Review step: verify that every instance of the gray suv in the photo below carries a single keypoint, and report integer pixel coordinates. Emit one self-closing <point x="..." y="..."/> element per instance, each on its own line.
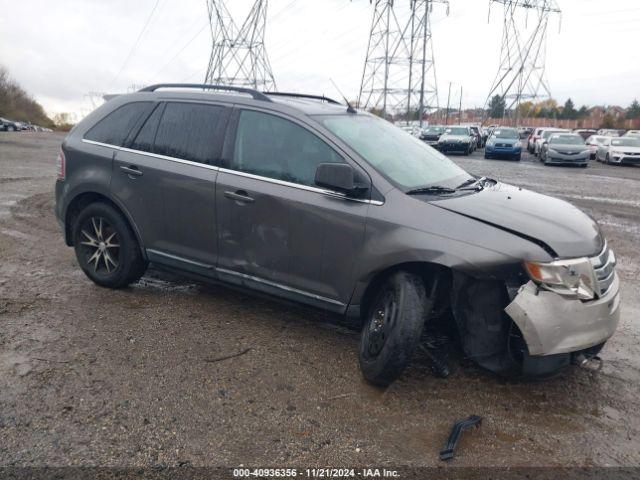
<point x="305" y="199"/>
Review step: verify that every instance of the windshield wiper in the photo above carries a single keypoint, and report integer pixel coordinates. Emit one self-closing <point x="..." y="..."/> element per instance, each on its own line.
<point x="437" y="189"/>
<point x="478" y="182"/>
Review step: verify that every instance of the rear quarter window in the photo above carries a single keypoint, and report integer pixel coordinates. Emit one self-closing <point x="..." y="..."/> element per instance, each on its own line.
<point x="116" y="126"/>
<point x="189" y="131"/>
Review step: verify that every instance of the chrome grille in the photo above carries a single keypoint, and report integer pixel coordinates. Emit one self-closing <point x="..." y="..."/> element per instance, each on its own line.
<point x="604" y="266"/>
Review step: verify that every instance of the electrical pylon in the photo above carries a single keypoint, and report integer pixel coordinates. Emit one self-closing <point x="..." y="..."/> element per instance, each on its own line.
<point x="522" y="72"/>
<point x="399" y="72"/>
<point x="238" y="54"/>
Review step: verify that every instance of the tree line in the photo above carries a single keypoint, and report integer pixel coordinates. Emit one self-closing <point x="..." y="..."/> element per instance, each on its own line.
<point x="16" y="104"/>
<point x="551" y="109"/>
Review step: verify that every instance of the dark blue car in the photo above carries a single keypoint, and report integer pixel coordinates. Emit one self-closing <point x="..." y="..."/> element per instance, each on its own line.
<point x="504" y="143"/>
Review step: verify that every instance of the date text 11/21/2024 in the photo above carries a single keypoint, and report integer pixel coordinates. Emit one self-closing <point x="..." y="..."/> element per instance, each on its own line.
<point x="315" y="473"/>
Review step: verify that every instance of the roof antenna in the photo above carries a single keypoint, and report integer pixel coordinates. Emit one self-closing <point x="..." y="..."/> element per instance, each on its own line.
<point x="350" y="109"/>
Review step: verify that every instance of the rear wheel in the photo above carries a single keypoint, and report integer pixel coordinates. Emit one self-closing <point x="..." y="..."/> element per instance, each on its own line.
<point x="106" y="248"/>
<point x="392" y="328"/>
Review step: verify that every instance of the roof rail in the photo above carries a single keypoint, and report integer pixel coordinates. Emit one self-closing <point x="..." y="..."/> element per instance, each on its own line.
<point x="303" y="95"/>
<point x="254" y="93"/>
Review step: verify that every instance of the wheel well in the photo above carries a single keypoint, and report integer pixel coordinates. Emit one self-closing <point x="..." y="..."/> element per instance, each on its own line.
<point x="434" y="276"/>
<point x="78" y="204"/>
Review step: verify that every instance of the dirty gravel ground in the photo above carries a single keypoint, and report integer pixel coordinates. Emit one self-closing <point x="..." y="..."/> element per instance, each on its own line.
<point x="90" y="376"/>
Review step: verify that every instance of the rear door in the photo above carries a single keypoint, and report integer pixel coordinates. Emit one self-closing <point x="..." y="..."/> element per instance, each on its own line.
<point x="169" y="172"/>
<point x="278" y="230"/>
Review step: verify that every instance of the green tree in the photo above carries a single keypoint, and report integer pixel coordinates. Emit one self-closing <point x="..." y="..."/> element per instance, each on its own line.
<point x="634" y="110"/>
<point x="569" y="111"/>
<point x="497" y="107"/>
<point x="608" y="121"/>
<point x="583" y="112"/>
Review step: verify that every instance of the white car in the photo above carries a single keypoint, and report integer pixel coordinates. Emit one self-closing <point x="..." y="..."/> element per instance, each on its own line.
<point x="544" y="136"/>
<point x="632" y="133"/>
<point x="607" y="132"/>
<point x="619" y="150"/>
<point x="593" y="142"/>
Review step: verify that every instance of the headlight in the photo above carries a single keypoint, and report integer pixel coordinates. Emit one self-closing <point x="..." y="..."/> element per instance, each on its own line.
<point x="573" y="278"/>
<point x="551" y="150"/>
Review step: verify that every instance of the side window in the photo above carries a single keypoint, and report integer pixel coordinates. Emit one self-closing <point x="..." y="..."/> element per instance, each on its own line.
<point x="115" y="127"/>
<point x="147" y="134"/>
<point x="189" y="131"/>
<point x="273" y="147"/>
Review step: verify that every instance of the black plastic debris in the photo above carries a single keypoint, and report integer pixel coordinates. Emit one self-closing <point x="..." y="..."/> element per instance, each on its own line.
<point x="447" y="452"/>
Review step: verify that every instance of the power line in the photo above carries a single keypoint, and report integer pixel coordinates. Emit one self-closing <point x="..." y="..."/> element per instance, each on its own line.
<point x="135" y="45"/>
<point x="184" y="47"/>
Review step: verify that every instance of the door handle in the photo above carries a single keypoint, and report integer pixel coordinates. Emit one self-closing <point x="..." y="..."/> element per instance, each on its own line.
<point x="239" y="196"/>
<point x="131" y="170"/>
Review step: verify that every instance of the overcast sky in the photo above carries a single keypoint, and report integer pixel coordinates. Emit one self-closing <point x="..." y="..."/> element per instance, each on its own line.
<point x="61" y="50"/>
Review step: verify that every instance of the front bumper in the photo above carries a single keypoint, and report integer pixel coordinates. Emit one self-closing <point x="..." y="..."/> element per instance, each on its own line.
<point x="454" y="147"/>
<point x="629" y="159"/>
<point x="507" y="151"/>
<point x="552" y="324"/>
<point x="564" y="159"/>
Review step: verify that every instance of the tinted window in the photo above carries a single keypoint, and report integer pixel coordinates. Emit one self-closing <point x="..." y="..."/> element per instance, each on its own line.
<point x="145" y="138"/>
<point x="273" y="147"/>
<point x="115" y="127"/>
<point x="189" y="131"/>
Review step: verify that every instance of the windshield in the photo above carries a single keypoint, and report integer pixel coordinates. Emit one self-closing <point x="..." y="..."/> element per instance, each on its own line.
<point x="547" y="133"/>
<point x="434" y="130"/>
<point x="506" y="133"/>
<point x="403" y="159"/>
<point x="566" y="140"/>
<point x="457" y="131"/>
<point x="625" y="142"/>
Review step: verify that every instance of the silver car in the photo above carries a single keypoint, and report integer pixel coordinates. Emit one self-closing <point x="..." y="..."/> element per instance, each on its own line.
<point x="619" y="150"/>
<point x="565" y="149"/>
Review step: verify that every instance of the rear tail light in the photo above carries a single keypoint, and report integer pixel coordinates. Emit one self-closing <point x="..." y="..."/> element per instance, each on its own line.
<point x="61" y="165"/>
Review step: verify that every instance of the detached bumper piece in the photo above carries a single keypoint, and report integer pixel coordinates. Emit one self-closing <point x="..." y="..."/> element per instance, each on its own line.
<point x="447" y="451"/>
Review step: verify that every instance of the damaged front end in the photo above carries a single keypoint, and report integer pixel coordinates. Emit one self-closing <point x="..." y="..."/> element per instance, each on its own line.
<point x="562" y="312"/>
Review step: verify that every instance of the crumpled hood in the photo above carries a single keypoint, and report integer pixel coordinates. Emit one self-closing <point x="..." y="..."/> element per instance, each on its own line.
<point x="565" y="229"/>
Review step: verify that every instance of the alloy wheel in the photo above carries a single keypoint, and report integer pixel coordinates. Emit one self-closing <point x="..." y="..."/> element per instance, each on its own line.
<point x="100" y="245"/>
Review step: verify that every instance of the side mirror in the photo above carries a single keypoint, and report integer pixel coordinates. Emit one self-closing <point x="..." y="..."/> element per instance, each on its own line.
<point x="336" y="176"/>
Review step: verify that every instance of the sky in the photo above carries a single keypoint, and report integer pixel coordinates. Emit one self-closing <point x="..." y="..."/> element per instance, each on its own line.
<point x="62" y="51"/>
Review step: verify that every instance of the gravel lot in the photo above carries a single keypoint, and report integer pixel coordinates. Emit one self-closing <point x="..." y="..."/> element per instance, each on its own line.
<point x="90" y="376"/>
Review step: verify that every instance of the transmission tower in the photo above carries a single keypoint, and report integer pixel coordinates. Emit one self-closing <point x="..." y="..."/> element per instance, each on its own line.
<point x="521" y="75"/>
<point x="238" y="54"/>
<point x="399" y="71"/>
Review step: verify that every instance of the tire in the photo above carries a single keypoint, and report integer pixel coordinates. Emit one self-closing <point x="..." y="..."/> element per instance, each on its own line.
<point x="606" y="159"/>
<point x="487" y="156"/>
<point x="518" y="157"/>
<point x="106" y="248"/>
<point x="386" y="347"/>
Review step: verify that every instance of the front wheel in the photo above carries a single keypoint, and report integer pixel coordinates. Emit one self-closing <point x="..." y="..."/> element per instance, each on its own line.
<point x="106" y="248"/>
<point x="517" y="157"/>
<point x="392" y="328"/>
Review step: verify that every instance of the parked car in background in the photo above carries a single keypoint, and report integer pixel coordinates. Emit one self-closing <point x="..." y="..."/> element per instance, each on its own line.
<point x="531" y="142"/>
<point x="619" y="151"/>
<point x="565" y="149"/>
<point x="485" y="134"/>
<point x="544" y="136"/>
<point x="9" y="125"/>
<point x="607" y="132"/>
<point x="504" y="142"/>
<point x="585" y="133"/>
<point x="478" y="134"/>
<point x="632" y="133"/>
<point x="387" y="231"/>
<point x="524" y="132"/>
<point x="431" y="134"/>
<point x="593" y="142"/>
<point x="457" y="139"/>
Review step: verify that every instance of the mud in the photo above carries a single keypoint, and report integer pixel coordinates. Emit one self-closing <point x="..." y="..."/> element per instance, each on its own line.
<point x="90" y="376"/>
